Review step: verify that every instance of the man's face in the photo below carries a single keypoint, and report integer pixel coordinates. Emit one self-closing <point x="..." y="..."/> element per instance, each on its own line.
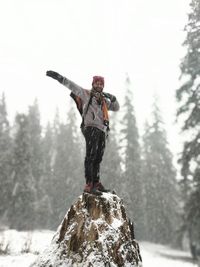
<point x="98" y="86"/>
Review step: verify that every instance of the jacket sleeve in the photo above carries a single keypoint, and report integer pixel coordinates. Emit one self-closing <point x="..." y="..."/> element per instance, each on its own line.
<point x="76" y="89"/>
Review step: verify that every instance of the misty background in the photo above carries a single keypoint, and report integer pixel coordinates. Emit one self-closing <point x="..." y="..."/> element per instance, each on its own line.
<point x="142" y="48"/>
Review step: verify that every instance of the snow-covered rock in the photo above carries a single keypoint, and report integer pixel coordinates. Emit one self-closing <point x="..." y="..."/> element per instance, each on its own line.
<point x="95" y="232"/>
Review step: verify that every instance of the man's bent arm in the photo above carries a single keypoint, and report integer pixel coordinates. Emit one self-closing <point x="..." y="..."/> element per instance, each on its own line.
<point x="112" y="102"/>
<point x="114" y="106"/>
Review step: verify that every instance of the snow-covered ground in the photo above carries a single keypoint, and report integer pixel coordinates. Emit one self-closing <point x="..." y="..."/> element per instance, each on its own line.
<point x="20" y="249"/>
<point x="154" y="255"/>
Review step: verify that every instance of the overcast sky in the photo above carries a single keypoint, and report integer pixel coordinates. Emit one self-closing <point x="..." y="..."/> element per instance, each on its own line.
<point x="82" y="38"/>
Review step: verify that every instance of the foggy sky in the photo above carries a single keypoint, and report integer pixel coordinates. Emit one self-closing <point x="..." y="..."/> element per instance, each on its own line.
<point x="80" y="39"/>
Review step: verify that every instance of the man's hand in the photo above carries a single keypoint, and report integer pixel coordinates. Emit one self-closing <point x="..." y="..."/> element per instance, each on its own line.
<point x="111" y="97"/>
<point x="55" y="75"/>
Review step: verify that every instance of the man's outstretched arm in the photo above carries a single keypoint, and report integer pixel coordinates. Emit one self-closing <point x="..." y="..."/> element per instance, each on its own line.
<point x="76" y="89"/>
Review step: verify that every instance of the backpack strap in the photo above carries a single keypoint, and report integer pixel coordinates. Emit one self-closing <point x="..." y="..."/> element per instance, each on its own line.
<point x="79" y="105"/>
<point x="105" y="114"/>
<point x="85" y="111"/>
<point x="78" y="102"/>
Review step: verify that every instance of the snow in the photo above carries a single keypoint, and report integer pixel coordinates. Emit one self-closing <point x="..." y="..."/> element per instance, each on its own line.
<point x="153" y="255"/>
<point x="109" y="196"/>
<point x="23" y="260"/>
<point x="159" y="255"/>
<point x="116" y="223"/>
<point x="18" y="242"/>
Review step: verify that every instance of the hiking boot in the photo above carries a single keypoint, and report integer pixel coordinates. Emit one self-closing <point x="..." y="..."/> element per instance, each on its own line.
<point x="89" y="188"/>
<point x="95" y="191"/>
<point x="100" y="187"/>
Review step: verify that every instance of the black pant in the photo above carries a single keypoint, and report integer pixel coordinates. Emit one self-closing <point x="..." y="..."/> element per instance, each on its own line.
<point x="95" y="146"/>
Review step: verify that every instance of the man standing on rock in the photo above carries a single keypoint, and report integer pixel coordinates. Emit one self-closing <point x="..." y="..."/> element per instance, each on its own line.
<point x="93" y="105"/>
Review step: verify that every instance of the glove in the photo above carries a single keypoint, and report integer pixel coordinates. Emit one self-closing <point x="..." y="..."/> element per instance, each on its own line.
<point x="111" y="97"/>
<point x="55" y="75"/>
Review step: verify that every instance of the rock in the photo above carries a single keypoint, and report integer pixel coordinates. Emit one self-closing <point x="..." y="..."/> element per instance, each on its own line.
<point x="94" y="233"/>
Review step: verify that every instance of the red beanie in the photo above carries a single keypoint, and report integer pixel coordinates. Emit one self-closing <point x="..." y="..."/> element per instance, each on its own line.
<point x="98" y="78"/>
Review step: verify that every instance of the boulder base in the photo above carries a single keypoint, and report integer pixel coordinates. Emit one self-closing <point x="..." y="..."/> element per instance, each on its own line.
<point x="94" y="233"/>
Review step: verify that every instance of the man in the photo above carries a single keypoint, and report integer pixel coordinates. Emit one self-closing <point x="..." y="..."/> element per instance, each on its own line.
<point x="93" y="105"/>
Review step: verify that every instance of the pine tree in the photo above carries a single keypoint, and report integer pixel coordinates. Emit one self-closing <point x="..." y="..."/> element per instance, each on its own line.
<point x="188" y="96"/>
<point x="37" y="164"/>
<point x="77" y="151"/>
<point x="22" y="203"/>
<point x="159" y="174"/>
<point x="35" y="130"/>
<point x="68" y="177"/>
<point x="132" y="179"/>
<point x="45" y="211"/>
<point x="5" y="159"/>
<point x="111" y="166"/>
